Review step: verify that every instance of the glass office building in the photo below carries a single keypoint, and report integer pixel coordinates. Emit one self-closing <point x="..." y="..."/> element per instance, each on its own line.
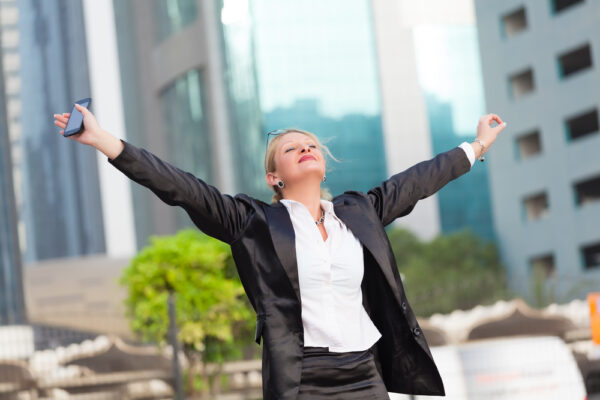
<point x="185" y="114"/>
<point x="450" y="74"/>
<point x="317" y="71"/>
<point x="171" y="16"/>
<point x="190" y="96"/>
<point x="244" y="112"/>
<point x="262" y="86"/>
<point x="62" y="211"/>
<point x="12" y="307"/>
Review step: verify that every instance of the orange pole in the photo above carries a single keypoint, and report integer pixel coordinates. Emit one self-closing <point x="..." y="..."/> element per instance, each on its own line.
<point x="594" y="302"/>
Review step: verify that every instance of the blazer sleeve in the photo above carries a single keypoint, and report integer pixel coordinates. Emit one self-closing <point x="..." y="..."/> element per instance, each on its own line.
<point x="218" y="215"/>
<point x="398" y="195"/>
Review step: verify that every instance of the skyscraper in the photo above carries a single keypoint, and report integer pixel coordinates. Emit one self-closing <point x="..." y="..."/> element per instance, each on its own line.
<point x="317" y="70"/>
<point x="190" y="96"/>
<point x="541" y="73"/>
<point x="449" y="70"/>
<point x="432" y="94"/>
<point x="12" y="305"/>
<point x="61" y="206"/>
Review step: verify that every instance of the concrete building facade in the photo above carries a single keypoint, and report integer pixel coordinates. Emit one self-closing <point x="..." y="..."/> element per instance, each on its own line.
<point x="541" y="73"/>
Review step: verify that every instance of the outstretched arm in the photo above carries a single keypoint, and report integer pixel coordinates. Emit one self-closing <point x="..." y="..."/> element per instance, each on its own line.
<point x="219" y="215"/>
<point x="398" y="195"/>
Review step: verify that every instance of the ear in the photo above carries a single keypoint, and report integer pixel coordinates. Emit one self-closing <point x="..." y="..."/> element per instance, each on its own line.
<point x="271" y="179"/>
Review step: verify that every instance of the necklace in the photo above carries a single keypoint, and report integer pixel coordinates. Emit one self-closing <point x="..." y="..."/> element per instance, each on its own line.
<point x="320" y="221"/>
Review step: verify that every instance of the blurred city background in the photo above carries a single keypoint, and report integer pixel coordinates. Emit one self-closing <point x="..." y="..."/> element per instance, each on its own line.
<point x="500" y="266"/>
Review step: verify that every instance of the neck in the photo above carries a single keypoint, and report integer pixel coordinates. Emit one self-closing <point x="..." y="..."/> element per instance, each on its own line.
<point x="309" y="195"/>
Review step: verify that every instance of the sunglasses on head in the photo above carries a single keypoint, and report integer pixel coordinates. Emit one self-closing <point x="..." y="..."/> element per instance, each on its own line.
<point x="274" y="133"/>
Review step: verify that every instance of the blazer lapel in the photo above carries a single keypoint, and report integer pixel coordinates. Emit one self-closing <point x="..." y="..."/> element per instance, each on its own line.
<point x="364" y="228"/>
<point x="284" y="241"/>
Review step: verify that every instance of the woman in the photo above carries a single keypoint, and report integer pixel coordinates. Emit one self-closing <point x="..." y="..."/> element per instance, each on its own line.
<point x="331" y="308"/>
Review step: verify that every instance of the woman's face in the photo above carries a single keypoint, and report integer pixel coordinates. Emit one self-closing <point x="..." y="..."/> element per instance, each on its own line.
<point x="297" y="157"/>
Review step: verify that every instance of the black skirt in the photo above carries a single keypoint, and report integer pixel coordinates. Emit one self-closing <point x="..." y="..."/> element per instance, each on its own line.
<point x="348" y="376"/>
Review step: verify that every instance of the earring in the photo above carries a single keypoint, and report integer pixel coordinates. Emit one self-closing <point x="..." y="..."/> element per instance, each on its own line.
<point x="324" y="178"/>
<point x="280" y="184"/>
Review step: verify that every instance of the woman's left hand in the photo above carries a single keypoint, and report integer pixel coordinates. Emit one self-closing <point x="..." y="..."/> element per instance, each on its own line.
<point x="486" y="133"/>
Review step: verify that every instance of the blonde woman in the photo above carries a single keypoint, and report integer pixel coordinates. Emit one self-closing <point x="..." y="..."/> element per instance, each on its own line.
<point x="320" y="273"/>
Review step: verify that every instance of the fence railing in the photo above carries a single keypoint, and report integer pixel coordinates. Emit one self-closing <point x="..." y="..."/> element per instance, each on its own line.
<point x="108" y="368"/>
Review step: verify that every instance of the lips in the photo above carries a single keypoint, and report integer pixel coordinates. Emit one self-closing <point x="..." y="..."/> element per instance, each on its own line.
<point x="307" y="157"/>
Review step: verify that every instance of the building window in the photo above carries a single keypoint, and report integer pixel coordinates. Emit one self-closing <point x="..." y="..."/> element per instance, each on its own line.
<point x="543" y="266"/>
<point x="171" y="16"/>
<point x="186" y="121"/>
<point x="591" y="255"/>
<point x="575" y="60"/>
<point x="587" y="191"/>
<point x="559" y="6"/>
<point x="514" y="22"/>
<point x="528" y="145"/>
<point x="582" y="124"/>
<point x="521" y="83"/>
<point x="536" y="206"/>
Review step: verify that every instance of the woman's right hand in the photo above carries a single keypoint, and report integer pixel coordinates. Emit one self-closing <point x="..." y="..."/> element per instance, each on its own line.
<point x="91" y="131"/>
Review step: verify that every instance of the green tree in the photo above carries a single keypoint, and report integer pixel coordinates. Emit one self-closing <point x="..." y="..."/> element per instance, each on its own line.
<point x="454" y="271"/>
<point x="213" y="315"/>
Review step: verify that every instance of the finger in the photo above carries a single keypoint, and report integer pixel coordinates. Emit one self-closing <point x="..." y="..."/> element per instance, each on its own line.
<point x="60" y="124"/>
<point x="61" y="119"/>
<point x="494" y="117"/>
<point x="497" y="119"/>
<point x="62" y="132"/>
<point x="81" y="108"/>
<point x="66" y="115"/>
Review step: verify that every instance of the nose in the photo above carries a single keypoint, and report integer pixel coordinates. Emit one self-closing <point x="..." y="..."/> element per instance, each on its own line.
<point x="305" y="147"/>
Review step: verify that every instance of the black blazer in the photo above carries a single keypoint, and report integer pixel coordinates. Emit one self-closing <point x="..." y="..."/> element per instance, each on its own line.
<point x="262" y="242"/>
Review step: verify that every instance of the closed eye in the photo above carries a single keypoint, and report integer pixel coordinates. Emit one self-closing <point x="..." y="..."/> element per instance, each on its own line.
<point x="292" y="148"/>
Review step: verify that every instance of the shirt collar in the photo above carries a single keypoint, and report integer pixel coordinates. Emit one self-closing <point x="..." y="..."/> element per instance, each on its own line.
<point x="292" y="206"/>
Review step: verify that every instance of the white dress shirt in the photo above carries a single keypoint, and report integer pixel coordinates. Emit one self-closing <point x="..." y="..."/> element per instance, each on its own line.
<point x="330" y="273"/>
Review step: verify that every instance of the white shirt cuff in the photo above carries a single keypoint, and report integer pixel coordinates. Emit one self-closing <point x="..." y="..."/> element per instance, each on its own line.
<point x="469" y="150"/>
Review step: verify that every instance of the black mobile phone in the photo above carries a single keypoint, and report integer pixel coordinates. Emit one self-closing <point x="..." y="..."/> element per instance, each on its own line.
<point x="75" y="122"/>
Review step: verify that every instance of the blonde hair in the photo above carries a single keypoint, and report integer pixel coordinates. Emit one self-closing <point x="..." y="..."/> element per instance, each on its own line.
<point x="270" y="161"/>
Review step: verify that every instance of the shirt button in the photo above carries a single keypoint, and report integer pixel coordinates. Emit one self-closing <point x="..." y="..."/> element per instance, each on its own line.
<point x="404" y="306"/>
<point x="417" y="331"/>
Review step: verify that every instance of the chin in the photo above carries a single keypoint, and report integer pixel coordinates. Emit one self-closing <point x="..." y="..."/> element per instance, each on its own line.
<point x="311" y="170"/>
